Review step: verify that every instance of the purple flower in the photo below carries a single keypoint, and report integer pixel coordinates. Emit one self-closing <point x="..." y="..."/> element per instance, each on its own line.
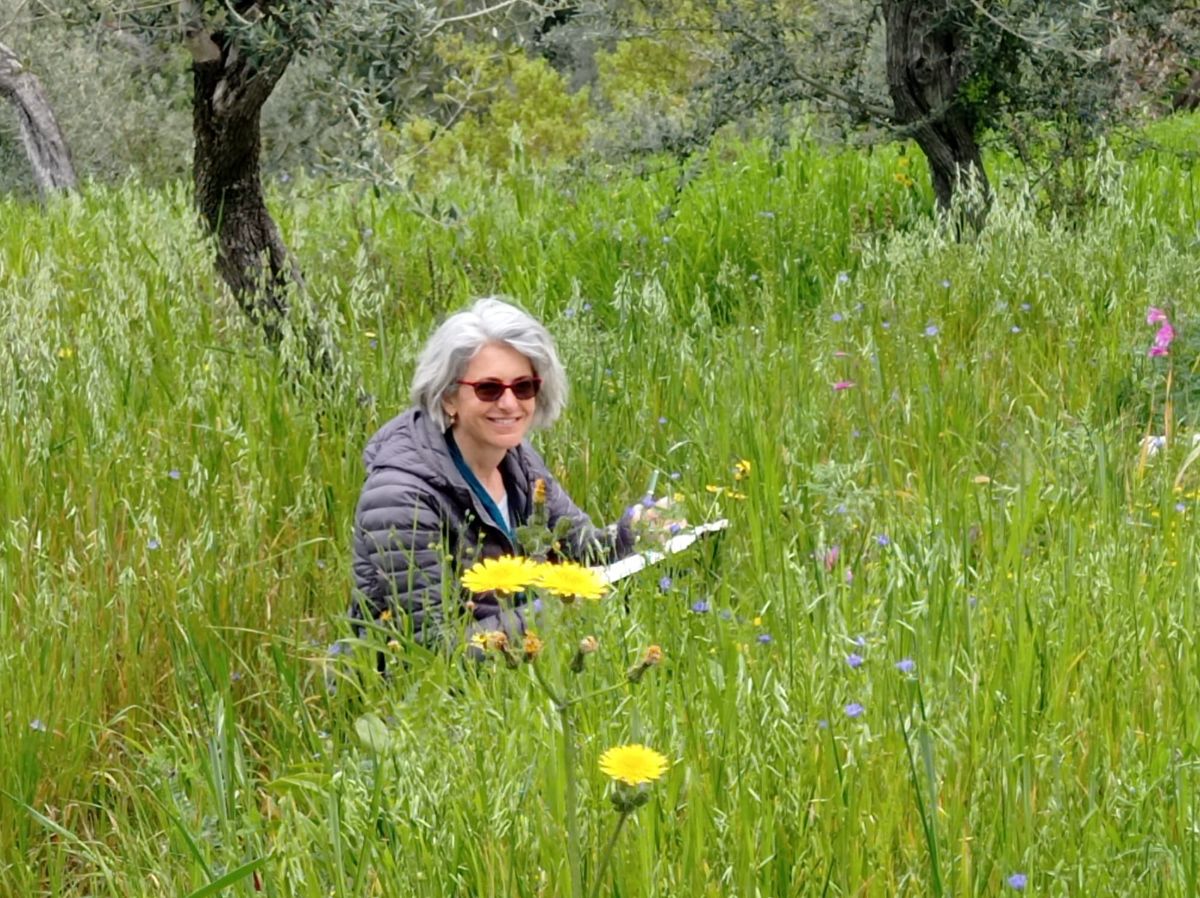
<point x="854" y="709"/>
<point x="152" y="544"/>
<point x="1155" y="315"/>
<point x="822" y="724"/>
<point x="843" y="277"/>
<point x="855" y="660"/>
<point x="662" y="420"/>
<point x="906" y="665"/>
<point x="764" y="638"/>
<point x="569" y="313"/>
<point x="700" y="607"/>
<point x="843" y="385"/>
<point x="664" y="583"/>
<point x="931" y="330"/>
<point x="1018" y="881"/>
<point x="835" y="317"/>
<point x="883" y="539"/>
<point x="648" y="500"/>
<point x="174" y="474"/>
<point x="674" y="528"/>
<point x="849" y="575"/>
<point x="374" y="344"/>
<point x="860" y="641"/>
<point x="1180" y="507"/>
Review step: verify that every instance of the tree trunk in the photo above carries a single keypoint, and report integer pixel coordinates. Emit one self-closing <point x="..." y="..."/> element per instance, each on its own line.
<point x="925" y="70"/>
<point x="251" y="256"/>
<point x="44" y="143"/>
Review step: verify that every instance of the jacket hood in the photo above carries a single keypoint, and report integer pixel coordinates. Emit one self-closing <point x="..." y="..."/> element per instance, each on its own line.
<point x="410" y="442"/>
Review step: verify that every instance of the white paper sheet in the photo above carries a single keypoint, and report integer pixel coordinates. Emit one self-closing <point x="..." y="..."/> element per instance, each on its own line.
<point x="631" y="564"/>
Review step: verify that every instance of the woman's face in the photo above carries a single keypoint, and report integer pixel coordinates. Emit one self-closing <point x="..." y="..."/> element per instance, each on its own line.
<point x="481" y="427"/>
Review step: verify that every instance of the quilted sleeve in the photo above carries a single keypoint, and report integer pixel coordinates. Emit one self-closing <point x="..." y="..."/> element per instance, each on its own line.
<point x="400" y="554"/>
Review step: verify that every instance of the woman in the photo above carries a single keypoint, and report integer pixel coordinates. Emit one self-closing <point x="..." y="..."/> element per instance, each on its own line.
<point x="450" y="480"/>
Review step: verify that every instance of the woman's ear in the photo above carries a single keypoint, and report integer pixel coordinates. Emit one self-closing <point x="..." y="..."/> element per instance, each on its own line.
<point x="450" y="406"/>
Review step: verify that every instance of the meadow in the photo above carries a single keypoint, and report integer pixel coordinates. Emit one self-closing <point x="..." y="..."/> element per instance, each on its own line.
<point x="948" y="646"/>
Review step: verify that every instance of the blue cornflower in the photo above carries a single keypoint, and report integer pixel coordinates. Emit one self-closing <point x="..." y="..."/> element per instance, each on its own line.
<point x="1025" y="307"/>
<point x="675" y="528"/>
<point x="675" y="475"/>
<point x="664" y="583"/>
<point x="854" y="709"/>
<point x="883" y="539"/>
<point x="374" y="344"/>
<point x="835" y="317"/>
<point x="843" y="277"/>
<point x="569" y="313"/>
<point x="152" y="544"/>
<point x="587" y="306"/>
<point x="1018" y="881"/>
<point x="906" y="665"/>
<point x="648" y="500"/>
<point x="174" y="474"/>
<point x="855" y="660"/>
<point x="931" y="330"/>
<point x="700" y="607"/>
<point x="764" y="638"/>
<point x="1181" y="507"/>
<point x="662" y="420"/>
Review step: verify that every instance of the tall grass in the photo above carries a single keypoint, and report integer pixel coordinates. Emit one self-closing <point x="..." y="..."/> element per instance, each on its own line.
<point x="175" y="554"/>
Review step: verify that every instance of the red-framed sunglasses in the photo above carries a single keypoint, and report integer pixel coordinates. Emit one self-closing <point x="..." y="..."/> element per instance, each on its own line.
<point x="491" y="390"/>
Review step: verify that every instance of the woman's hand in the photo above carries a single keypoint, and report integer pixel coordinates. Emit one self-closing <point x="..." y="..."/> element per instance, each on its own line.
<point x="656" y="522"/>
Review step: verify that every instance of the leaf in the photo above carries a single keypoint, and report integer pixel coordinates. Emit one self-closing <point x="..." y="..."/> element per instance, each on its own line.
<point x="219" y="885"/>
<point x="373" y="733"/>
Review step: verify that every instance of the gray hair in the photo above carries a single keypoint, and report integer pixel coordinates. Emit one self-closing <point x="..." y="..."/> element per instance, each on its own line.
<point x="450" y="349"/>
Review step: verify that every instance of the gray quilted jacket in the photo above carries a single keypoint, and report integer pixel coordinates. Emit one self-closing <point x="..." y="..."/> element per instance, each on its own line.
<point x="418" y="525"/>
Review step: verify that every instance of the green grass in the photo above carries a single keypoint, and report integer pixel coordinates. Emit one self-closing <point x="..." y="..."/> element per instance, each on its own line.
<point x="165" y="727"/>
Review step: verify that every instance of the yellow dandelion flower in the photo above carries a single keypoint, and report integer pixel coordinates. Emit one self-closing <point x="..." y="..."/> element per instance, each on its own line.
<point x="490" y="640"/>
<point x="734" y="494"/>
<point x="531" y="646"/>
<point x="741" y="470"/>
<point x="66" y="352"/>
<point x="633" y="764"/>
<point x="569" y="580"/>
<point x="713" y="488"/>
<point x="507" y="574"/>
<point x="386" y="616"/>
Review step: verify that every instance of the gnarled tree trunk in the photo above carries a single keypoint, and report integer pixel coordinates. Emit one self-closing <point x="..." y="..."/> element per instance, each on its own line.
<point x="43" y="140"/>
<point x="926" y="67"/>
<point x="229" y="94"/>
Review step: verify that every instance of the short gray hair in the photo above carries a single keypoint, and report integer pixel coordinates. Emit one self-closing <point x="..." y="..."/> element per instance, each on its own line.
<point x="449" y="351"/>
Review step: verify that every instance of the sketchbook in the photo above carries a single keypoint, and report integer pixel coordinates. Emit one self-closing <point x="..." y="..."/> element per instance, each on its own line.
<point x="631" y="564"/>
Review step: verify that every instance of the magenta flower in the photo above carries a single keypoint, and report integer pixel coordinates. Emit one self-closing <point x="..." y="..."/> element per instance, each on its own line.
<point x="1166" y="333"/>
<point x="843" y="385"/>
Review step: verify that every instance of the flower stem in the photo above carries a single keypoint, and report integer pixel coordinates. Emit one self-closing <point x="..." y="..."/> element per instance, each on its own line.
<point x="572" y="801"/>
<point x="607" y="855"/>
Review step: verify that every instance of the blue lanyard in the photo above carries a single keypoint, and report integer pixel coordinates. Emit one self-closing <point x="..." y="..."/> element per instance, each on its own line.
<point x="485" y="498"/>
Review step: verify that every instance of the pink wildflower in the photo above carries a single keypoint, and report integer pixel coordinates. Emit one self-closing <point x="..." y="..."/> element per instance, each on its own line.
<point x="831" y="557"/>
<point x="1155" y="315"/>
<point x="842" y="385"/>
<point x="1162" y="340"/>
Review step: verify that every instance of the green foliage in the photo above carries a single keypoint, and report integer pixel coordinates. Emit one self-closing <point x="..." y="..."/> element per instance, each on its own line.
<point x="508" y="107"/>
<point x="175" y="556"/>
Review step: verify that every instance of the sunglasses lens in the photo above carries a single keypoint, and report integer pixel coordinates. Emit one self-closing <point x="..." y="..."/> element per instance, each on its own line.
<point x="526" y="387"/>
<point x="489" y="390"/>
